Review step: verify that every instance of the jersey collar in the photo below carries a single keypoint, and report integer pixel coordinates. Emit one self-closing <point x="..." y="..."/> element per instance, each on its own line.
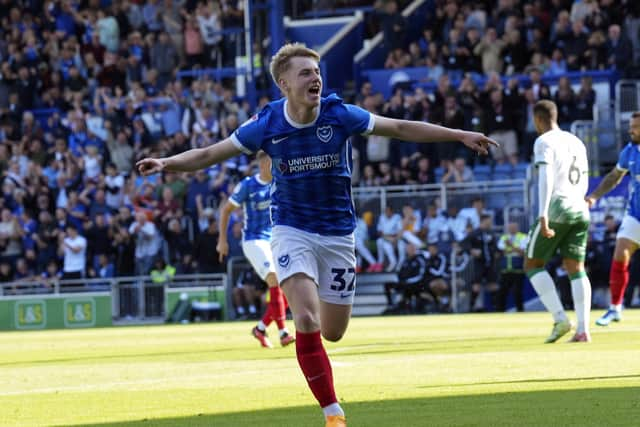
<point x="296" y="124"/>
<point x="261" y="182"/>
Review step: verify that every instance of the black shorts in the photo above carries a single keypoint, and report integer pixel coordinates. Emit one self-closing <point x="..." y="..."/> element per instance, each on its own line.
<point x="483" y="273"/>
<point x="249" y="277"/>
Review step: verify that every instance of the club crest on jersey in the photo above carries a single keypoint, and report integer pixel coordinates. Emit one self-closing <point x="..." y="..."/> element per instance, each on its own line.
<point x="324" y="133"/>
<point x="284" y="261"/>
<point x="280" y="165"/>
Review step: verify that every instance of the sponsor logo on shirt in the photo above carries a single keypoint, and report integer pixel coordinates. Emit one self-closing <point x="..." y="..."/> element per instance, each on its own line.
<point x="309" y="163"/>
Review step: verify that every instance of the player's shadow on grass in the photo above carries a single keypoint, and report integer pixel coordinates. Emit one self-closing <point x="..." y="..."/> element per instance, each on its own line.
<point x="613" y="406"/>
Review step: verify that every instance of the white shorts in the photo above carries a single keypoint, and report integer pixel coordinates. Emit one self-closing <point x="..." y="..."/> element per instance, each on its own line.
<point x="329" y="260"/>
<point x="258" y="252"/>
<point x="629" y="229"/>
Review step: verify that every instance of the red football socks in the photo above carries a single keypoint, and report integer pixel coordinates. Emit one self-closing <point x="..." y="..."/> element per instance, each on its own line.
<point x="268" y="317"/>
<point x="315" y="365"/>
<point x="618" y="281"/>
<point x="276" y="301"/>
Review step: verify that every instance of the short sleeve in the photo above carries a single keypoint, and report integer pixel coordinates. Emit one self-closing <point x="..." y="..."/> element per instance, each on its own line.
<point x="248" y="137"/>
<point x="623" y="160"/>
<point x="356" y="119"/>
<point x="240" y="193"/>
<point x="542" y="153"/>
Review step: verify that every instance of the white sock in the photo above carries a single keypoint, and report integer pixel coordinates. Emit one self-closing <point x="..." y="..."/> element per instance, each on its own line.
<point x="252" y="309"/>
<point x="283" y="332"/>
<point x="333" y="409"/>
<point x="581" y="292"/>
<point x="546" y="290"/>
<point x="616" y="307"/>
<point x="241" y="310"/>
<point x="262" y="326"/>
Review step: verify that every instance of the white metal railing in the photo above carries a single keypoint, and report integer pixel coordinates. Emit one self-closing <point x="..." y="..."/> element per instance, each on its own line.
<point x="376" y="199"/>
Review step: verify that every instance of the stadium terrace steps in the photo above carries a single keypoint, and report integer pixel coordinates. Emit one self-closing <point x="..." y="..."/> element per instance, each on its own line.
<point x="370" y="299"/>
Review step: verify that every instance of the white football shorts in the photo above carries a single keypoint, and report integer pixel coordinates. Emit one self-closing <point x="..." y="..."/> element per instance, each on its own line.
<point x="629" y="229"/>
<point x="329" y="260"/>
<point x="258" y="252"/>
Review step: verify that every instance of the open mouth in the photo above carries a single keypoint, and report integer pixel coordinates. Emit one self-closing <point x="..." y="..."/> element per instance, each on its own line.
<point x="314" y="90"/>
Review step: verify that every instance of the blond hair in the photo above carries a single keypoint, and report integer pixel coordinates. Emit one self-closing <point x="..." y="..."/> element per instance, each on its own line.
<point x="280" y="61"/>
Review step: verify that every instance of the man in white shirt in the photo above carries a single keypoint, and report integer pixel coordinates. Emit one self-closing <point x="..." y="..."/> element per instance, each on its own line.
<point x="472" y="214"/>
<point x="147" y="243"/>
<point x="434" y="226"/>
<point x="74" y="247"/>
<point x="389" y="228"/>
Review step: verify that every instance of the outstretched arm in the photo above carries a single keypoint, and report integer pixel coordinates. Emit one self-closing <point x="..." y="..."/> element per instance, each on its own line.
<point x="190" y="160"/>
<point x="608" y="183"/>
<point x="415" y="131"/>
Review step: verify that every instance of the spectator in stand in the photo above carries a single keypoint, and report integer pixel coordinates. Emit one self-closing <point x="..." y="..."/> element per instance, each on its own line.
<point x="74" y="249"/>
<point x="423" y="174"/>
<point x="512" y="244"/>
<point x="501" y="122"/>
<point x="472" y="215"/>
<point x="104" y="269"/>
<point x="205" y="253"/>
<point x="490" y="50"/>
<point x="565" y="100"/>
<point x="411" y="280"/>
<point x="596" y="52"/>
<point x="10" y="237"/>
<point x="99" y="243"/>
<point x="436" y="277"/>
<point x="114" y="186"/>
<point x="147" y="243"/>
<point x="434" y="225"/>
<point x="362" y="240"/>
<point x="411" y="226"/>
<point x="389" y="228"/>
<point x="458" y="172"/>
<point x="247" y="293"/>
<point x="393" y="25"/>
<point x="452" y="117"/>
<point x="557" y="64"/>
<point x="576" y="45"/>
<point x="585" y="100"/>
<point x="619" y="50"/>
<point x="482" y="246"/>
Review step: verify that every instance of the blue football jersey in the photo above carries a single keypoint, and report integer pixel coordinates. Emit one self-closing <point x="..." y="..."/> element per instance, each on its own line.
<point x="630" y="161"/>
<point x="311" y="163"/>
<point x="254" y="196"/>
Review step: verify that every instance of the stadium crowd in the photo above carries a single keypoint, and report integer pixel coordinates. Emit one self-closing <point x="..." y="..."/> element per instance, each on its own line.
<point x="87" y="88"/>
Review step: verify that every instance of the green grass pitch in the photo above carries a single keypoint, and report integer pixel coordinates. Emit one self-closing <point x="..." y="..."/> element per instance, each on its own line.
<point x="464" y="370"/>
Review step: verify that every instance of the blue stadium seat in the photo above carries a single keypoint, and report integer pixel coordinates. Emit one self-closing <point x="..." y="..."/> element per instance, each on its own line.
<point x="503" y="171"/>
<point x="496" y="201"/>
<point x="516" y="199"/>
<point x="481" y="172"/>
<point x="520" y="171"/>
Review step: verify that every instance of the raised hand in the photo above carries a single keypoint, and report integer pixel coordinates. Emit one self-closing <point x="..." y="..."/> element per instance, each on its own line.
<point x="149" y="166"/>
<point x="478" y="142"/>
